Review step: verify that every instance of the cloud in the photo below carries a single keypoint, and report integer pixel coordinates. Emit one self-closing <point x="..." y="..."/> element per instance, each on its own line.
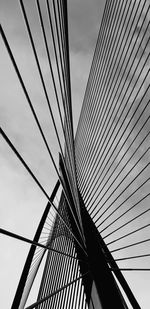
<point x="84" y="22"/>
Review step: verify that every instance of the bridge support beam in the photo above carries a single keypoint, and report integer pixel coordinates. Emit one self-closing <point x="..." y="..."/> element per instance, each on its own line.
<point x="101" y="282"/>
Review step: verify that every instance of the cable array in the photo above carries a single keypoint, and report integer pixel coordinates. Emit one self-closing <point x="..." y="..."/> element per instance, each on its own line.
<point x="105" y="168"/>
<point x="52" y="281"/>
<point x="112" y="142"/>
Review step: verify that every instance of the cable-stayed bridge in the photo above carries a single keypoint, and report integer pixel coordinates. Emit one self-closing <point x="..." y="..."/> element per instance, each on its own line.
<point x="93" y="237"/>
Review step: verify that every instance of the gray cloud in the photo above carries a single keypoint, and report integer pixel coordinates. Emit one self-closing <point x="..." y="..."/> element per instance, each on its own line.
<point x="84" y="22"/>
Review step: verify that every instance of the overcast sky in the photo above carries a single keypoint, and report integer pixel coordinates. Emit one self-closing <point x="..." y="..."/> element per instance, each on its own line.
<point x="21" y="202"/>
